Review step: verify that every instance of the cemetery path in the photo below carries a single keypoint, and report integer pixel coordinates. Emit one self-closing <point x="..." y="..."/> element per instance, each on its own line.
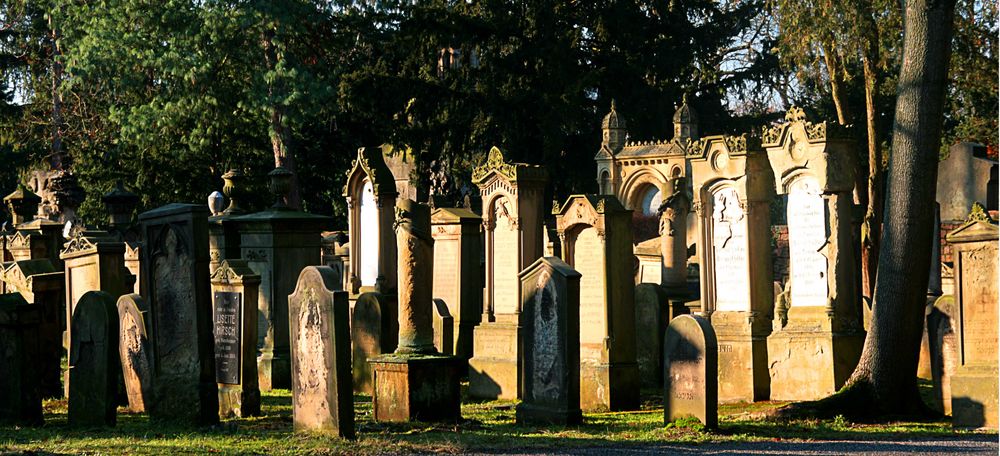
<point x="974" y="444"/>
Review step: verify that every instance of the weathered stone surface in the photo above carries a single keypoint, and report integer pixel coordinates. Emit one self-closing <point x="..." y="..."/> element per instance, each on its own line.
<point x="444" y="328"/>
<point x="371" y="199"/>
<point x="651" y="317"/>
<point x="176" y="282"/>
<point x="673" y="213"/>
<point x="19" y="385"/>
<point x="690" y="385"/>
<point x="964" y="178"/>
<point x="322" y="395"/>
<point x="942" y="350"/>
<point x="457" y="281"/>
<point x="94" y="365"/>
<point x="550" y="293"/>
<point x="374" y="331"/>
<point x="135" y="351"/>
<point x="41" y="284"/>
<point x="234" y="307"/>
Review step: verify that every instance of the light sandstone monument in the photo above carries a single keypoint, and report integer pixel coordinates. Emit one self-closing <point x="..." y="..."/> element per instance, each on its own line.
<point x="371" y="201"/>
<point x="457" y="253"/>
<point x="691" y="366"/>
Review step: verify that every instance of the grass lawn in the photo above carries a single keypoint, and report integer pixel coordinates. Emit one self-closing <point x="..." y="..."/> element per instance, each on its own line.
<point x="486" y="426"/>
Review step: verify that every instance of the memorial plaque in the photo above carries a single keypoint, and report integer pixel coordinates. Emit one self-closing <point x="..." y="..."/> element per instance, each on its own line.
<point x="505" y="251"/>
<point x="369" y="234"/>
<point x="587" y="260"/>
<point x="228" y="334"/>
<point x="807" y="222"/>
<point x="729" y="244"/>
<point x="690" y="388"/>
<point x="979" y="306"/>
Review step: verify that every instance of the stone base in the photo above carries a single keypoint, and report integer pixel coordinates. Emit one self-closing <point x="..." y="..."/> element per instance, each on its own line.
<point x="274" y="371"/>
<point x="236" y="401"/>
<point x="974" y="401"/>
<point x="529" y="414"/>
<point x="417" y="388"/>
<point x="806" y="366"/>
<point x="743" y="357"/>
<point x="495" y="370"/>
<point x="609" y="387"/>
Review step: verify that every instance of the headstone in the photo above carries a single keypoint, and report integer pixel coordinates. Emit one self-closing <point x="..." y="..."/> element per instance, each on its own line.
<point x="94" y="365"/>
<point x="322" y="396"/>
<point x="596" y="238"/>
<point x="651" y="317"/>
<point x="690" y="358"/>
<point x="733" y="187"/>
<point x="963" y="178"/>
<point x="550" y="293"/>
<point x="974" y="386"/>
<point x="41" y="284"/>
<point x="512" y="226"/>
<point x="817" y="336"/>
<point x="176" y="283"/>
<point x="234" y="310"/>
<point x="444" y="328"/>
<point x="457" y="281"/>
<point x="371" y="199"/>
<point x="374" y="330"/>
<point x="337" y="255"/>
<point x="135" y="351"/>
<point x="19" y="384"/>
<point x="943" y="351"/>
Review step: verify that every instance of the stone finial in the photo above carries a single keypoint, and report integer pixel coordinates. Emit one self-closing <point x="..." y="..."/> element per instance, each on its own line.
<point x="685" y="121"/>
<point x="281" y="184"/>
<point x="216" y="202"/>
<point x="120" y="203"/>
<point x="614" y="129"/>
<point x="233" y="189"/>
<point x="22" y="204"/>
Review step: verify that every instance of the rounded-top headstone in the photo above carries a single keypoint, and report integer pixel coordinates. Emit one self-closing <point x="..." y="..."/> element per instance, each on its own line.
<point x="690" y="379"/>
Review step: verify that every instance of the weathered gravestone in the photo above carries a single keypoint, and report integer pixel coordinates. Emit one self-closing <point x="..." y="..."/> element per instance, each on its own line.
<point x="322" y="396"/>
<point x="176" y="282"/>
<point x="41" y="284"/>
<point x="967" y="175"/>
<point x="457" y="255"/>
<point x="691" y="365"/>
<point x="550" y="318"/>
<point x="942" y="351"/>
<point x="651" y="317"/>
<point x="94" y="364"/>
<point x="444" y="328"/>
<point x="234" y="309"/>
<point x="374" y="331"/>
<point x="135" y="351"/>
<point x="19" y="382"/>
<point x="974" y="387"/>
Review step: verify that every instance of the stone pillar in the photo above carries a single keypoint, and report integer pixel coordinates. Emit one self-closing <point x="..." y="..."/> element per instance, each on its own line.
<point x="416" y="383"/>
<point x="41" y="284"/>
<point x="94" y="368"/>
<point x="19" y="386"/>
<point x="234" y="309"/>
<point x="673" y="238"/>
<point x="457" y="252"/>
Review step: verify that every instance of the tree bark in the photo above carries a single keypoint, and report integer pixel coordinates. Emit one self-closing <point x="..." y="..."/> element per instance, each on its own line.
<point x="280" y="136"/>
<point x="834" y="68"/>
<point x="873" y="186"/>
<point x="56" y="154"/>
<point x="888" y="365"/>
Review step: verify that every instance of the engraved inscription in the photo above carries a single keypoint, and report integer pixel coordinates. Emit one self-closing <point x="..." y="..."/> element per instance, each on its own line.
<point x="228" y="317"/>
<point x="806" y="243"/>
<point x="729" y="247"/>
<point x="589" y="262"/>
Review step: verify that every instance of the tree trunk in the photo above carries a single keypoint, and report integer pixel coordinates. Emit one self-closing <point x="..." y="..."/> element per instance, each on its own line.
<point x="873" y="186"/>
<point x="56" y="155"/>
<point x="280" y="136"/>
<point x="835" y="70"/>
<point x="888" y="366"/>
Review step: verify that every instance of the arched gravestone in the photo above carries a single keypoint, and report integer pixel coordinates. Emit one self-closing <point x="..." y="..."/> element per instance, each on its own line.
<point x="690" y="380"/>
<point x="596" y="239"/>
<point x="322" y="397"/>
<point x="135" y="351"/>
<point x="733" y="187"/>
<point x="371" y="200"/>
<point x="374" y="331"/>
<point x="93" y="361"/>
<point x="818" y="331"/>
<point x="550" y="316"/>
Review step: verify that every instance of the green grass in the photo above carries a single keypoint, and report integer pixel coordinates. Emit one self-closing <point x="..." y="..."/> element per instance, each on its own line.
<point x="486" y="425"/>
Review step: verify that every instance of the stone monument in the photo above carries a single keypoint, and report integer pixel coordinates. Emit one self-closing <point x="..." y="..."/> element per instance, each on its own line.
<point x="652" y="314"/>
<point x="444" y="328"/>
<point x="41" y="284"/>
<point x="963" y="178"/>
<point x="34" y="238"/>
<point x="371" y="199"/>
<point x="690" y="381"/>
<point x="93" y="362"/>
<point x="234" y="311"/>
<point x="374" y="331"/>
<point x="223" y="235"/>
<point x="457" y="251"/>
<point x="135" y="351"/>
<point x="19" y="385"/>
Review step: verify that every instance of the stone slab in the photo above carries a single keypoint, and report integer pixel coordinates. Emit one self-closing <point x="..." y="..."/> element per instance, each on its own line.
<point x="690" y="385"/>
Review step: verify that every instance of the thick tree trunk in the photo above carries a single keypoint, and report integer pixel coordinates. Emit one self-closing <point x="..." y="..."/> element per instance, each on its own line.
<point x="280" y="136"/>
<point x="888" y="366"/>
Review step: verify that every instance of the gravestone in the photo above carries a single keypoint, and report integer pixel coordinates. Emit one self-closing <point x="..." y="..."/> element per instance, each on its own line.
<point x="444" y="328"/>
<point x="322" y="395"/>
<point x="942" y="351"/>
<point x="691" y="365"/>
<point x="457" y="255"/>
<point x="374" y="330"/>
<point x="596" y="237"/>
<point x="512" y="224"/>
<point x="94" y="364"/>
<point x="41" y="284"/>
<point x="964" y="178"/>
<point x="974" y="386"/>
<point x="371" y="199"/>
<point x="651" y="317"/>
<point x="733" y="187"/>
<point x="33" y="238"/>
<point x="19" y="385"/>
<point x="818" y="334"/>
<point x="176" y="282"/>
<point x="135" y="351"/>
<point x="234" y="299"/>
<point x="550" y="307"/>
<point x="337" y="255"/>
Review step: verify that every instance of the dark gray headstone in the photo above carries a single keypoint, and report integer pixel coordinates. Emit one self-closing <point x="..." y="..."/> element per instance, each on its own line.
<point x="651" y="316"/>
<point x="20" y="390"/>
<point x="93" y="361"/>
<point x="374" y="331"/>
<point x="691" y="379"/>
<point x="135" y="351"/>
<point x="444" y="328"/>
<point x="228" y="334"/>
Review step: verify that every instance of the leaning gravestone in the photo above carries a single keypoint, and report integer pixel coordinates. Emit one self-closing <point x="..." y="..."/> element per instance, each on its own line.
<point x="234" y="308"/>
<point x="373" y="332"/>
<point x="93" y="361"/>
<point x="19" y="383"/>
<point x="690" y="357"/>
<point x="550" y="316"/>
<point x="444" y="328"/>
<point x="322" y="397"/>
<point x="135" y="351"/>
<point x="176" y="282"/>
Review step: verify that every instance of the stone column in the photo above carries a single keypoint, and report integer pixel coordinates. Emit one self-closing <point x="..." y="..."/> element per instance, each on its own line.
<point x="415" y="266"/>
<point x="673" y="237"/>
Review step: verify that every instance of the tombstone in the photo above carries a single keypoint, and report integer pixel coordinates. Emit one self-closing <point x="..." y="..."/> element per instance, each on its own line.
<point x="550" y="377"/>
<point x="817" y="338"/>
<point x="322" y="395"/>
<point x="942" y="351"/>
<point x="457" y="251"/>
<point x="135" y="351"/>
<point x="596" y="240"/>
<point x="374" y="330"/>
<point x="337" y="255"/>
<point x="33" y="238"/>
<point x="19" y="385"/>
<point x="512" y="224"/>
<point x="94" y="364"/>
<point x="651" y="316"/>
<point x="974" y="386"/>
<point x="402" y="166"/>
<point x="234" y="311"/>
<point x="41" y="284"/>
<point x="416" y="382"/>
<point x="733" y="187"/>
<point x="691" y="371"/>
<point x="371" y="200"/>
<point x="444" y="328"/>
<point x="175" y="281"/>
<point x="964" y="178"/>
<point x="650" y="259"/>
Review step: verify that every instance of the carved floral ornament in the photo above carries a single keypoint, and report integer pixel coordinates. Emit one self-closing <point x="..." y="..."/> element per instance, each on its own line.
<point x="815" y="132"/>
<point x="79" y="243"/>
<point x="495" y="163"/>
<point x="735" y="145"/>
<point x="371" y="163"/>
<point x="979" y="214"/>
